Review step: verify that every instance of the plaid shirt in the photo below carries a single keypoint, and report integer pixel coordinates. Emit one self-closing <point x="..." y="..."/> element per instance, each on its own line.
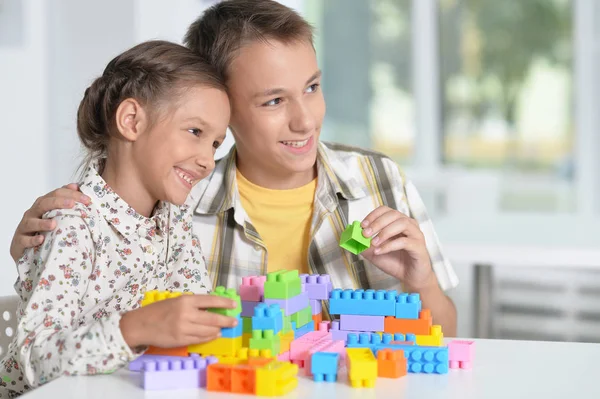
<point x="351" y="183"/>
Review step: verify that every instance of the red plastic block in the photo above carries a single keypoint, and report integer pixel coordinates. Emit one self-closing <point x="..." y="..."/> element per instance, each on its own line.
<point x="461" y="354"/>
<point x="418" y="326"/>
<point x="391" y="364"/>
<point x="252" y="288"/>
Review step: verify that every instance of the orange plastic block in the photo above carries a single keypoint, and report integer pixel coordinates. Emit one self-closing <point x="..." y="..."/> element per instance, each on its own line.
<point x="317" y="318"/>
<point x="420" y="326"/>
<point x="391" y="363"/>
<point x="218" y="377"/>
<point x="179" y="352"/>
<point x="435" y="337"/>
<point x="243" y="379"/>
<point x="276" y="379"/>
<point x="362" y="367"/>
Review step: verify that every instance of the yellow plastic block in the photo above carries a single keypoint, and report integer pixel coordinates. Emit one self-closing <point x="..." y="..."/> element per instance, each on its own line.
<point x="243" y="354"/>
<point x="435" y="337"/>
<point x="286" y="341"/>
<point x="220" y="346"/>
<point x="155" y="296"/>
<point x="362" y="367"/>
<point x="246" y="340"/>
<point x="276" y="378"/>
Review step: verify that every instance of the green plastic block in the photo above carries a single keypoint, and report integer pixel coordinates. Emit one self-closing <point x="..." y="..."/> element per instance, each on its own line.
<point x="287" y="324"/>
<point x="246" y="325"/>
<point x="353" y="240"/>
<point x="302" y="317"/>
<point x="283" y="284"/>
<point x="265" y="339"/>
<point x="231" y="294"/>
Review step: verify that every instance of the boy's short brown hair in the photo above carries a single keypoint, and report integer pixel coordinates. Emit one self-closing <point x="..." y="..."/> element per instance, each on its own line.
<point x="226" y="26"/>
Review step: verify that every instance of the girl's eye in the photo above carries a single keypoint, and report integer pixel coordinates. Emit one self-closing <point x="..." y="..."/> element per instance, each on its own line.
<point x="216" y="144"/>
<point x="275" y="101"/>
<point x="312" y="88"/>
<point x="195" y="132"/>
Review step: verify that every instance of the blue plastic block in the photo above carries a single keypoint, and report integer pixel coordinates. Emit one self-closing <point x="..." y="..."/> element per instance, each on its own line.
<point x="373" y="341"/>
<point x="361" y="302"/>
<point x="305" y="329"/>
<point x="267" y="317"/>
<point x="408" y="306"/>
<point x="422" y="359"/>
<point x="233" y="332"/>
<point x="324" y="366"/>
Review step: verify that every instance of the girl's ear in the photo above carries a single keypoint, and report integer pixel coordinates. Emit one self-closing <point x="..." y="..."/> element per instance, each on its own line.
<point x="131" y="119"/>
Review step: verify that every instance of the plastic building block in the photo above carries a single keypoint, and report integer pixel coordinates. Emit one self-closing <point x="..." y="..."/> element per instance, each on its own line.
<point x="391" y="363"/>
<point x="316" y="306"/>
<point x="247" y="324"/>
<point x="317" y="286"/>
<point x="282" y="284"/>
<point x="245" y="355"/>
<point x="182" y="351"/>
<point x="419" y="326"/>
<point x="287" y="324"/>
<point x="375" y="341"/>
<point x="435" y="337"/>
<point x="276" y="379"/>
<point x="248" y="308"/>
<point x="353" y="240"/>
<point x="267" y="317"/>
<point x="174" y="373"/>
<point x="305" y="329"/>
<point x="317" y="318"/>
<point x="233" y="332"/>
<point x="156" y="296"/>
<point x="461" y="354"/>
<point x="361" y="323"/>
<point x="218" y="377"/>
<point x="325" y="346"/>
<point x="421" y="359"/>
<point x="243" y="379"/>
<point x="408" y="306"/>
<point x="284" y="357"/>
<point x="252" y="288"/>
<point x="361" y="302"/>
<point x="337" y="334"/>
<point x="231" y="294"/>
<point x="302" y="317"/>
<point x="324" y="366"/>
<point x="138" y="364"/>
<point x="299" y="347"/>
<point x="219" y="346"/>
<point x="291" y="305"/>
<point x="286" y="341"/>
<point x="362" y="367"/>
<point x="265" y="339"/>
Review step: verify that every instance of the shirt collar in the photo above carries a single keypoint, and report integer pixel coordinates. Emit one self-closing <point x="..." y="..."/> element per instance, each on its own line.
<point x="117" y="212"/>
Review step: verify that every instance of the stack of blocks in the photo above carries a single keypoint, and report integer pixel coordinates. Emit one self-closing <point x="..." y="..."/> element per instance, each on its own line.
<point x="318" y="288"/>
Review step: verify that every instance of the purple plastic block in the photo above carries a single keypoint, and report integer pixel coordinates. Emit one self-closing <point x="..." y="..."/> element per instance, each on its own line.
<point x="188" y="373"/>
<point x="248" y="308"/>
<point x="361" y="323"/>
<point x="340" y="335"/>
<point x="317" y="286"/>
<point x="138" y="364"/>
<point x="291" y="305"/>
<point x="315" y="305"/>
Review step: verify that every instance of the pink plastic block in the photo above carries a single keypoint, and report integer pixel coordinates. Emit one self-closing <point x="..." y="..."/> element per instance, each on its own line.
<point x="317" y="286"/>
<point x="315" y="305"/>
<point x="291" y="305"/>
<point x="175" y="374"/>
<point x="252" y="288"/>
<point x="461" y="354"/>
<point x="248" y="308"/>
<point x="325" y="346"/>
<point x="284" y="357"/>
<point x="361" y="323"/>
<point x="300" y="347"/>
<point x="341" y="335"/>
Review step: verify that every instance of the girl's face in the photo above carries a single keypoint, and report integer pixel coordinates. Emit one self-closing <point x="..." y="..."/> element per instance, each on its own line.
<point x="178" y="150"/>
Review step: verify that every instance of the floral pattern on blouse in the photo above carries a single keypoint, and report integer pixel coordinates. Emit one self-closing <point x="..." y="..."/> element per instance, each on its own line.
<point x="96" y="265"/>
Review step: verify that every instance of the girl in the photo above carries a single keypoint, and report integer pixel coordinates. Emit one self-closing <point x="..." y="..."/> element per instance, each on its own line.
<point x="151" y="124"/>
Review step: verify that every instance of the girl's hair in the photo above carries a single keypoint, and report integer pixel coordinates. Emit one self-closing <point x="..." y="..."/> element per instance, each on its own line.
<point x="153" y="73"/>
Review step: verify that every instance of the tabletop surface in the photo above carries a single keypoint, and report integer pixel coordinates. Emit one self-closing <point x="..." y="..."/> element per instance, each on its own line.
<point x="502" y="369"/>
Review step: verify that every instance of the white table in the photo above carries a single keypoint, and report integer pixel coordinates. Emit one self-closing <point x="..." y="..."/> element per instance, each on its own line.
<point x="503" y="369"/>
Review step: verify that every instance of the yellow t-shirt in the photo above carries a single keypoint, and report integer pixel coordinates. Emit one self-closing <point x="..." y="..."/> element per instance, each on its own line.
<point x="282" y="219"/>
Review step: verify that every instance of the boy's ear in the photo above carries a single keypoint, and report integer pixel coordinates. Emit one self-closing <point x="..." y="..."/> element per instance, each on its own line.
<point x="131" y="119"/>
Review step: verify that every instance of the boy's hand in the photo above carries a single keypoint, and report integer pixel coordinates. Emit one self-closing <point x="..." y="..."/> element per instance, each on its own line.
<point x="176" y="322"/>
<point x="398" y="248"/>
<point x="32" y="222"/>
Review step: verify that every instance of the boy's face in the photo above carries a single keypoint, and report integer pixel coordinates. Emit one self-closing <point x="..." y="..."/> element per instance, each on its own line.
<point x="277" y="109"/>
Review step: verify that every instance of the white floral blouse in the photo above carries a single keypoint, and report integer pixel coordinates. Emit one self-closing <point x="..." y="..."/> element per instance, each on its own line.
<point x="95" y="266"/>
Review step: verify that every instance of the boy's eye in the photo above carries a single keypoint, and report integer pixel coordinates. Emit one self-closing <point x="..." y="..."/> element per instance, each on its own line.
<point x="312" y="88"/>
<point x="195" y="132"/>
<point x="274" y="101"/>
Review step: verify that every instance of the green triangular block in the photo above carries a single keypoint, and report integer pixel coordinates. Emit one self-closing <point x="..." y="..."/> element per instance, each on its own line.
<point x="353" y="240"/>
